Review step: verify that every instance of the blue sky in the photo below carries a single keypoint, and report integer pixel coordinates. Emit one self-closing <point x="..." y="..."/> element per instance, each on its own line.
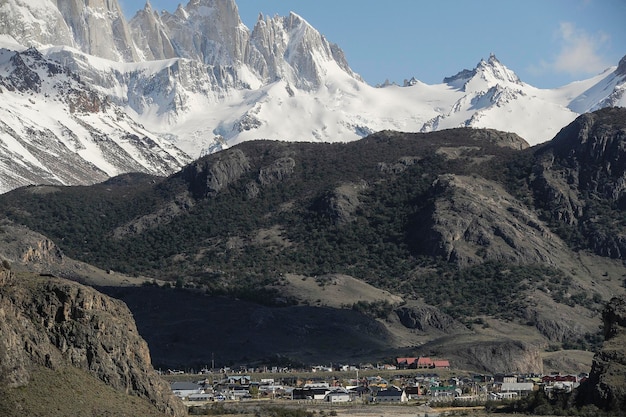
<point x="548" y="43"/>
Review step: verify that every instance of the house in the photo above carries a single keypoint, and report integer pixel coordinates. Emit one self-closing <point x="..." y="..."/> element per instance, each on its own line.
<point x="412" y="393"/>
<point x="377" y="381"/>
<point x="238" y="380"/>
<point x="309" y="393"/>
<point x="443" y="364"/>
<point x="424" y="362"/>
<point x="361" y="391"/>
<point x="565" y="383"/>
<point x="391" y="395"/>
<point x="551" y="379"/>
<point x="338" y="396"/>
<point x="495" y="396"/>
<point x="521" y="388"/>
<point x="404" y="363"/>
<point x="482" y="378"/>
<point x="185" y="389"/>
<point x="504" y="378"/>
<point x="442" y="393"/>
<point x="199" y="397"/>
<point x="239" y="392"/>
<point x="270" y="389"/>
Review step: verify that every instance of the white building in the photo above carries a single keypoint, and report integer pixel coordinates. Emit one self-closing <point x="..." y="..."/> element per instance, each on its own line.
<point x="185" y="389"/>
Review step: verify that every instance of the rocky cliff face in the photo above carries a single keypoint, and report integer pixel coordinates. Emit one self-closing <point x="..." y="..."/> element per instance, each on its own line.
<point x="503" y="356"/>
<point x="585" y="163"/>
<point x="474" y="220"/>
<point x="55" y="323"/>
<point x="427" y="318"/>
<point x="606" y="386"/>
<point x="206" y="179"/>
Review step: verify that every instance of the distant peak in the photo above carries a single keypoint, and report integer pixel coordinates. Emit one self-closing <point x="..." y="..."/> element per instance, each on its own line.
<point x="492" y="61"/>
<point x="491" y="71"/>
<point x="148" y="7"/>
<point x="181" y="13"/>
<point x="296" y="18"/>
<point x="497" y="70"/>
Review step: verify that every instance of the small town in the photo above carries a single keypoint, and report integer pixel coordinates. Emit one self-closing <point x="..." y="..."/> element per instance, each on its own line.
<point x="419" y="380"/>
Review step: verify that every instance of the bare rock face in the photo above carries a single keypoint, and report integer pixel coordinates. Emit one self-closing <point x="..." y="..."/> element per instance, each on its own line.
<point x="505" y="356"/>
<point x="559" y="328"/>
<point x="606" y="386"/>
<point x="207" y="177"/>
<point x="99" y="28"/>
<point x="502" y="139"/>
<point x="341" y="203"/>
<point x="32" y="249"/>
<point x="30" y="24"/>
<point x="427" y="318"/>
<point x="55" y="323"/>
<point x="587" y="158"/>
<point x="474" y="219"/>
<point x="399" y="166"/>
<point x="164" y="215"/>
<point x="278" y="171"/>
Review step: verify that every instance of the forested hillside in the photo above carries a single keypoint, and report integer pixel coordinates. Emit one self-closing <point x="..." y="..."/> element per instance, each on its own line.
<point x="471" y="222"/>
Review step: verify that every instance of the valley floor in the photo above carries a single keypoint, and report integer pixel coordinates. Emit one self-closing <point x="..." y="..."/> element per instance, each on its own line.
<point x="255" y="408"/>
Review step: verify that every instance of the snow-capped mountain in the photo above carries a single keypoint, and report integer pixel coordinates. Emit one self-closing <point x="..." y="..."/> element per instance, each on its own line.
<point x="54" y="129"/>
<point x="198" y="80"/>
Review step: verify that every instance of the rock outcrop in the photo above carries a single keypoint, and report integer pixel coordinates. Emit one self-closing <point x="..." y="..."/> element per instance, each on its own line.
<point x="474" y="220"/>
<point x="606" y="386"/>
<point x="502" y="356"/>
<point x="54" y="323"/>
<point x="341" y="203"/>
<point x="206" y="179"/>
<point x="278" y="171"/>
<point x="427" y="319"/>
<point x="584" y="163"/>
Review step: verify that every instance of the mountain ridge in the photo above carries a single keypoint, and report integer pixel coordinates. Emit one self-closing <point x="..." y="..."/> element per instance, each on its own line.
<point x="197" y="81"/>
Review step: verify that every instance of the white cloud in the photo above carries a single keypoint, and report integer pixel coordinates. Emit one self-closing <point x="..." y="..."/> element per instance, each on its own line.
<point x="579" y="53"/>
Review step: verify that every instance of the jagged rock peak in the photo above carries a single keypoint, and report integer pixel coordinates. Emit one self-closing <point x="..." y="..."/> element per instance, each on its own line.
<point x="180" y="12"/>
<point x="150" y="35"/>
<point x="209" y="31"/>
<point x="35" y="26"/>
<point x="486" y="74"/>
<point x="290" y="48"/>
<point x="96" y="27"/>
<point x="99" y="28"/>
<point x="495" y="68"/>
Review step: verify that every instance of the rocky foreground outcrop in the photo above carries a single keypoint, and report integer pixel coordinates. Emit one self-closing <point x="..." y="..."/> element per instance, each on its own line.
<point x="54" y="323"/>
<point x="606" y="386"/>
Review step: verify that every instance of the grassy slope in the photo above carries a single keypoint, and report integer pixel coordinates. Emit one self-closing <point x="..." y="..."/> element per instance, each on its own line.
<point x="70" y="392"/>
